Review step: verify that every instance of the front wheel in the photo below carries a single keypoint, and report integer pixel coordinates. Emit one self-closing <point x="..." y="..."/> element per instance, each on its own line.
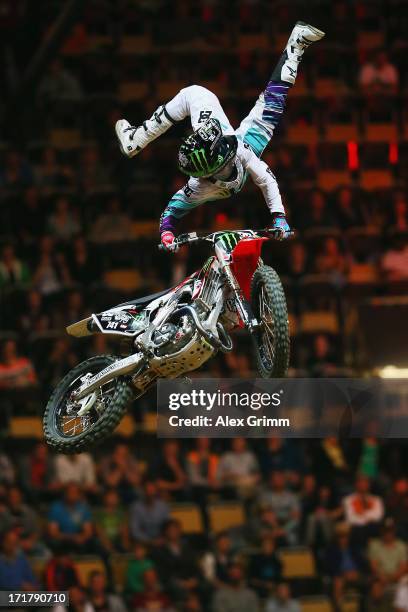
<point x="67" y="432"/>
<point x="272" y="339"/>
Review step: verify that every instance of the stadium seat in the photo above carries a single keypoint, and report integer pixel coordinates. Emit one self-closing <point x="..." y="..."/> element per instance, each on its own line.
<point x="124" y="279"/>
<point x="26" y="427"/>
<point x="341" y="132"/>
<point x="331" y="179"/>
<point x="253" y="42"/>
<point x="168" y="89"/>
<point x="328" y="88"/>
<point x="189" y="516"/>
<point x="126" y="427"/>
<point x="133" y="91"/>
<point x="381" y="132"/>
<point x="315" y="604"/>
<point x="297" y="563"/>
<point x="370" y="40"/>
<point x="119" y="565"/>
<point x="376" y="179"/>
<point x="226" y="515"/>
<point x="65" y="138"/>
<point x="87" y="565"/>
<point x="98" y="41"/>
<point x="302" y="134"/>
<point x="149" y="424"/>
<point x="135" y="44"/>
<point x="319" y="321"/>
<point x="144" y="228"/>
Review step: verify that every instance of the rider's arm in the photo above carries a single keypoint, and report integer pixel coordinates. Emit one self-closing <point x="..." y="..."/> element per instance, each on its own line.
<point x="180" y="204"/>
<point x="262" y="176"/>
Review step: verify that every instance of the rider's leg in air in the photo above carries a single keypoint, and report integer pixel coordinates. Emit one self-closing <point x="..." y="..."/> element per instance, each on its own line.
<point x="258" y="127"/>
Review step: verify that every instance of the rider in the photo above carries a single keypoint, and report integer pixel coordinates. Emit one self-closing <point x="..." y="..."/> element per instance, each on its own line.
<point x="216" y="157"/>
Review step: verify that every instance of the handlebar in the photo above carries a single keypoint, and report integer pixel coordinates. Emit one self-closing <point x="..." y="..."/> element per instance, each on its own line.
<point x="192" y="237"/>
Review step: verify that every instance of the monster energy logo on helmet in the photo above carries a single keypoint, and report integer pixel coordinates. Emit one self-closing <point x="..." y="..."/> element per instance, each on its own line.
<point x="206" y="151"/>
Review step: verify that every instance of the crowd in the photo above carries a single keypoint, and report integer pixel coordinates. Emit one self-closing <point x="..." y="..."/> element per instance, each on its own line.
<point x="347" y="502"/>
<point x="72" y="210"/>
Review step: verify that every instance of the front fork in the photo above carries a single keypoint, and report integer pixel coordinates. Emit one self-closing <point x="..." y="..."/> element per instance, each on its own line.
<point x="244" y="308"/>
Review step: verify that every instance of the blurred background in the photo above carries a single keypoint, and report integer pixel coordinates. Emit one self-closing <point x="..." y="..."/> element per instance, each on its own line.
<point x="78" y="234"/>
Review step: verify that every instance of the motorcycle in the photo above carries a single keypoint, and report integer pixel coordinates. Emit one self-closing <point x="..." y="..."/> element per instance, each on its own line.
<point x="171" y="333"/>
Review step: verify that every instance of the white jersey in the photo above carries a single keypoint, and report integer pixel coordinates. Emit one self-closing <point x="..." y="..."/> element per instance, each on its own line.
<point x="254" y="133"/>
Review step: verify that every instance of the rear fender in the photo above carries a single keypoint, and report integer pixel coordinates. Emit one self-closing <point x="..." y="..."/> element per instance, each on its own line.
<point x="245" y="258"/>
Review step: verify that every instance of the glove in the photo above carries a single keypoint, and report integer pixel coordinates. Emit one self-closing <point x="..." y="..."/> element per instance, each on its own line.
<point x="280" y="226"/>
<point x="168" y="241"/>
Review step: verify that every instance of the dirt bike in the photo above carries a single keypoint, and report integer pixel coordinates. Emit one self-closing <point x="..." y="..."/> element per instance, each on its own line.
<point x="171" y="333"/>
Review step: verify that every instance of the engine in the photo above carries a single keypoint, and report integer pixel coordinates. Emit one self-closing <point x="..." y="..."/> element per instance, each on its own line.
<point x="172" y="337"/>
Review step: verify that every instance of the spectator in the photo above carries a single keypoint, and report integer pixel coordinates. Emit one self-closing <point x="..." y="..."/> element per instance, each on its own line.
<point x="320" y="517"/>
<point x="16" y="172"/>
<point x="148" y="515"/>
<point x="78" y="469"/>
<point x="379" y="76"/>
<point x="348" y="210"/>
<point x="60" y="572"/>
<point x="265" y="568"/>
<point x="78" y="602"/>
<point x="25" y="521"/>
<point x="201" y="470"/>
<point x="344" y="563"/>
<point x="13" y="271"/>
<point x="152" y="597"/>
<point x="70" y="521"/>
<point x="111" y="523"/>
<point x="58" y="362"/>
<point x="394" y="261"/>
<point x="114" y="225"/>
<point x="63" y="224"/>
<point x="401" y="595"/>
<point x="50" y="173"/>
<point x="99" y="596"/>
<point x="83" y="265"/>
<point x="93" y="174"/>
<point x="38" y="471"/>
<point x="297" y="265"/>
<point x="120" y="471"/>
<point x="399" y="215"/>
<point x="283" y="601"/>
<point x="285" y="504"/>
<point x="284" y="456"/>
<point x="377" y="599"/>
<point x="169" y="471"/>
<point x="331" y="261"/>
<point x="7" y="470"/>
<point x="215" y="563"/>
<point x="397" y="505"/>
<point x="322" y="361"/>
<point x="15" y="571"/>
<point x="238" y="469"/>
<point x="387" y="555"/>
<point x="175" y="562"/>
<point x="137" y="566"/>
<point x="15" y="372"/>
<point x="363" y="511"/>
<point x="59" y="84"/>
<point x="51" y="273"/>
<point x="34" y="318"/>
<point x="235" y="596"/>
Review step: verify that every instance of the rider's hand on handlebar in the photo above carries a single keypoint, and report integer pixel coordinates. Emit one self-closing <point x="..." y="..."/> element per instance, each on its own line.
<point x="168" y="242"/>
<point x="280" y="226"/>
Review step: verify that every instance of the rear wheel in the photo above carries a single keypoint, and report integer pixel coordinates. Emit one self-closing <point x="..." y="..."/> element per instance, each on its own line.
<point x="272" y="343"/>
<point x="67" y="432"/>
